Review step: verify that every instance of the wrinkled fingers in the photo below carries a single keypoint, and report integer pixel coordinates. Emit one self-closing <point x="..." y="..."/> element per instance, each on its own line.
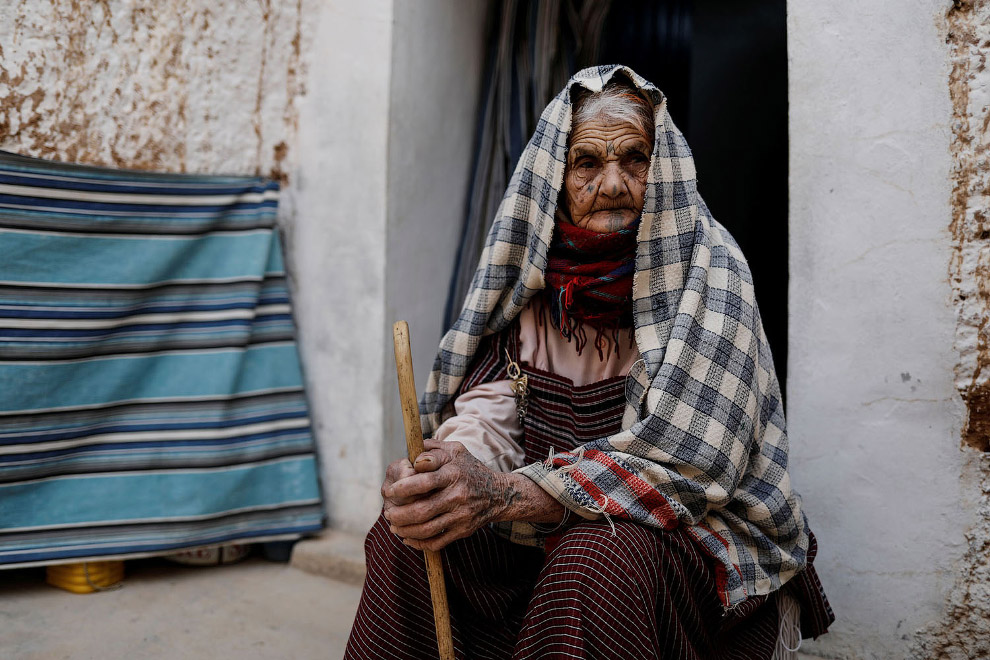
<point x="418" y="484"/>
<point x="396" y="471"/>
<point x="435" y="534"/>
<point x="426" y="530"/>
<point x="419" y="512"/>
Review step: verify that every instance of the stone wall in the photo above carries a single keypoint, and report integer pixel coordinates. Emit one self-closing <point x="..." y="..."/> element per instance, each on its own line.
<point x="963" y="631"/>
<point x="179" y="86"/>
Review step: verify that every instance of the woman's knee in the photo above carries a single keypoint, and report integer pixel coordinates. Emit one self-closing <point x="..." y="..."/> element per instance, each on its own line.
<point x="592" y="556"/>
<point x="383" y="548"/>
<point x="616" y="544"/>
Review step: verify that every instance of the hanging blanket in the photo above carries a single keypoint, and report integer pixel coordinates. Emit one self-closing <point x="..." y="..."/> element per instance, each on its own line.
<point x="151" y="396"/>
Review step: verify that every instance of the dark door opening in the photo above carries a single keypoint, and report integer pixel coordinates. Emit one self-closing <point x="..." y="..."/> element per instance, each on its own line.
<point x="723" y="66"/>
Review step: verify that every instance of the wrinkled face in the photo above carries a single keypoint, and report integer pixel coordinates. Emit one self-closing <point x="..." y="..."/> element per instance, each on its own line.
<point x="605" y="179"/>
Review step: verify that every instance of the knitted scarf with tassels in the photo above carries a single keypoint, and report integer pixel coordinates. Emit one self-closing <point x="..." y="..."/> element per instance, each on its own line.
<point x="589" y="281"/>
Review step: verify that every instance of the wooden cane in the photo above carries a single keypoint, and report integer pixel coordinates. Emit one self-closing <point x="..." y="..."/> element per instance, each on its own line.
<point x="414" y="444"/>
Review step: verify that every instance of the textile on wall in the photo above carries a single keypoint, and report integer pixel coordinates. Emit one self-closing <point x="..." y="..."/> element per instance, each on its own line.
<point x="151" y="394"/>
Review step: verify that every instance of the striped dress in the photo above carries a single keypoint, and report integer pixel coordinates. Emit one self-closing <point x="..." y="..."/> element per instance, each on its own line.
<point x="151" y="396"/>
<point x="595" y="592"/>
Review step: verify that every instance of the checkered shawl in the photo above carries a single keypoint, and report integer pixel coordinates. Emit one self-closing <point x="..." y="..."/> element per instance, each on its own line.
<point x="703" y="441"/>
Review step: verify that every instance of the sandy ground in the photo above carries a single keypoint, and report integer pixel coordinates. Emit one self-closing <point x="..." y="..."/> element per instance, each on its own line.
<point x="252" y="610"/>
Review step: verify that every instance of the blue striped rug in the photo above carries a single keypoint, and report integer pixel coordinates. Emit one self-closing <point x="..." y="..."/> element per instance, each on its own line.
<point x="151" y="396"/>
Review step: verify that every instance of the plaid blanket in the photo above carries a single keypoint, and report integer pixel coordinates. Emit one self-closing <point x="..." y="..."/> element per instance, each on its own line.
<point x="703" y="442"/>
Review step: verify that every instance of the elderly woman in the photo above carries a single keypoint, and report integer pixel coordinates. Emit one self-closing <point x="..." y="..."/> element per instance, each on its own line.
<point x="607" y="473"/>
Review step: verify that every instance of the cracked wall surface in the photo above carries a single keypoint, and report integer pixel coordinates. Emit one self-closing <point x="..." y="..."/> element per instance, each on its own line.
<point x="964" y="630"/>
<point x="969" y="86"/>
<point x="182" y="86"/>
<point x="874" y="415"/>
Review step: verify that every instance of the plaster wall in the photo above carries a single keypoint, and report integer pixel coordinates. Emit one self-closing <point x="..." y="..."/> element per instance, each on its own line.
<point x="969" y="85"/>
<point x="437" y="60"/>
<point x="875" y="417"/>
<point x="296" y="89"/>
<point x="181" y="86"/>
<point x="335" y="222"/>
<point x="340" y="100"/>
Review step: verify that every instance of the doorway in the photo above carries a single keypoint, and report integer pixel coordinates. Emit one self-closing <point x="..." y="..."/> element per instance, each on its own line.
<point x="723" y="66"/>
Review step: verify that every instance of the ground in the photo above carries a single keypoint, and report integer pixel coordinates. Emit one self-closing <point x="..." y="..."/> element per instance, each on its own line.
<point x="251" y="611"/>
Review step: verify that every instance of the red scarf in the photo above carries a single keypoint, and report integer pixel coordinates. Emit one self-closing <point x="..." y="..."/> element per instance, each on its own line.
<point x="589" y="282"/>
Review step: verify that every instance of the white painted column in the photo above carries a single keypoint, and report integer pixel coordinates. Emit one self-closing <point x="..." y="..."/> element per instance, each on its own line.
<point x="336" y="227"/>
<point x="373" y="212"/>
<point x="874" y="417"/>
<point x="438" y="54"/>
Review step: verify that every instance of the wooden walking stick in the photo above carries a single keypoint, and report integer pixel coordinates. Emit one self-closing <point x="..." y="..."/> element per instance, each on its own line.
<point x="414" y="444"/>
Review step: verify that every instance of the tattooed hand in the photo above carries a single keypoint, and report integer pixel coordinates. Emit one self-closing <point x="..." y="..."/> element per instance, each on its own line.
<point x="447" y="495"/>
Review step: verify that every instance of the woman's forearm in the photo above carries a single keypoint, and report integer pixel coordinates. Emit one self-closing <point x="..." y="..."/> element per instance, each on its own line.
<point x="522" y="500"/>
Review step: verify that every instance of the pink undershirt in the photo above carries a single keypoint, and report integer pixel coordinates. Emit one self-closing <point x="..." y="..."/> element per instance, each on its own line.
<point x="485" y="419"/>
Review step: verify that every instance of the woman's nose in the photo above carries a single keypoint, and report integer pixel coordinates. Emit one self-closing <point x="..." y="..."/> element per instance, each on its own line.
<point x="613" y="185"/>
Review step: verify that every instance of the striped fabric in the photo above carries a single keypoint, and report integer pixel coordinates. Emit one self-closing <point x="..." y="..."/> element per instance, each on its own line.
<point x="585" y="599"/>
<point x="567" y="415"/>
<point x="703" y="440"/>
<point x="151" y="396"/>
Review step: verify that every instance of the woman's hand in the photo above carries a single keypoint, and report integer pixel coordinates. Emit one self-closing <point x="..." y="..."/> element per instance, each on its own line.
<point x="448" y="494"/>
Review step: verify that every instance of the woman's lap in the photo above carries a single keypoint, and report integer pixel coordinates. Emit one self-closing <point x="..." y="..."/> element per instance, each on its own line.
<point x="634" y="593"/>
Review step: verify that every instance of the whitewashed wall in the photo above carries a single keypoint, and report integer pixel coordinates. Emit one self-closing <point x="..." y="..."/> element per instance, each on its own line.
<point x="874" y="416"/>
<point x="437" y="60"/>
<point x="335" y="219"/>
<point x="385" y="142"/>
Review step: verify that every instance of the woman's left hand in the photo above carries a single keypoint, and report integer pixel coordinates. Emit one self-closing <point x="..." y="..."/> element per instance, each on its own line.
<point x="457" y="493"/>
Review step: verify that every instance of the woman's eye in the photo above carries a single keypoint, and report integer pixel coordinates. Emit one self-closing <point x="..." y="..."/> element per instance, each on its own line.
<point x="586" y="164"/>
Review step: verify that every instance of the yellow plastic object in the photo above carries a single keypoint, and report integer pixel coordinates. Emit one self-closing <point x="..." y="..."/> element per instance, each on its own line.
<point x="86" y="577"/>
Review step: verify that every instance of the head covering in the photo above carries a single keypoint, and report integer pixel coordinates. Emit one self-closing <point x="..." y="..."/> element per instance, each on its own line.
<point x="703" y="441"/>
